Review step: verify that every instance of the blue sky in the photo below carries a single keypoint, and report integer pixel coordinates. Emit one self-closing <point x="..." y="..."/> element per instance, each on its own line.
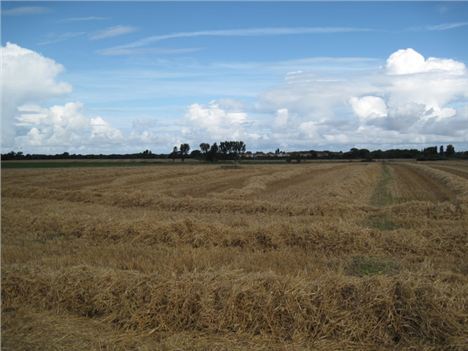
<point x="291" y="75"/>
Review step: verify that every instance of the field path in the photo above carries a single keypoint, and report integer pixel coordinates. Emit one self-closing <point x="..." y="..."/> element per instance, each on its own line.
<point x="382" y="194"/>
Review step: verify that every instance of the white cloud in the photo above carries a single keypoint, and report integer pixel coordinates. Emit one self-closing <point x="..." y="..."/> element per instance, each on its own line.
<point x="218" y="123"/>
<point x="368" y="107"/>
<point x="29" y="80"/>
<point x="242" y="32"/>
<point x="60" y="37"/>
<point x="322" y="103"/>
<point x="311" y="131"/>
<point x="409" y="61"/>
<point x="84" y="19"/>
<point x="64" y="127"/>
<point x="113" y="32"/>
<point x="144" y="51"/>
<point x="282" y="117"/>
<point x="27" y="77"/>
<point x="432" y="83"/>
<point x="444" y="26"/>
<point x="409" y="100"/>
<point x="103" y="131"/>
<point x="25" y="10"/>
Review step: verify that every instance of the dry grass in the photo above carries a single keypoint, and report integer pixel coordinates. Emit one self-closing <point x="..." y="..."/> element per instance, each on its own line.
<point x="284" y="257"/>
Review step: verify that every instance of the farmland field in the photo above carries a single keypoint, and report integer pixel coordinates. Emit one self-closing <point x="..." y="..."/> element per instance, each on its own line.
<point x="314" y="256"/>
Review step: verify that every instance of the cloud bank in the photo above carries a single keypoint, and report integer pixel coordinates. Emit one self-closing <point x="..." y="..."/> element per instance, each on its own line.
<point x="408" y="100"/>
<point x="65" y="127"/>
<point x="26" y="77"/>
<point x="29" y="80"/>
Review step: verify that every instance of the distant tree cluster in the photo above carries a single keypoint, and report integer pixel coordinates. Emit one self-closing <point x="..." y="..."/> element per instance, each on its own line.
<point x="428" y="153"/>
<point x="12" y="155"/>
<point x="225" y="150"/>
<point x="232" y="148"/>
<point x="236" y="150"/>
<point x="180" y="152"/>
<point x="431" y="153"/>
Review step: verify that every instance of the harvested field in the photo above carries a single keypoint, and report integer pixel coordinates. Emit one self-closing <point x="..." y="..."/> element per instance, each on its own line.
<point x="459" y="171"/>
<point x="312" y="256"/>
<point x="415" y="184"/>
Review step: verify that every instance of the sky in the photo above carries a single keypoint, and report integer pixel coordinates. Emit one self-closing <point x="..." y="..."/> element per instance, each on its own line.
<point x="121" y="77"/>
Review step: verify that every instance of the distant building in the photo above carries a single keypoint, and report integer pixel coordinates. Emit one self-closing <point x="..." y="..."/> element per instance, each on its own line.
<point x="259" y="154"/>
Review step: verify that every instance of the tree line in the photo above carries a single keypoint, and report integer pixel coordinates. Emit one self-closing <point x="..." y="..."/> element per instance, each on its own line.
<point x="236" y="150"/>
<point x="226" y="150"/>
<point x="429" y="153"/>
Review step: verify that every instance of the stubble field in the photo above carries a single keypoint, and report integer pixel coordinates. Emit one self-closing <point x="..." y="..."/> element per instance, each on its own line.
<point x="317" y="256"/>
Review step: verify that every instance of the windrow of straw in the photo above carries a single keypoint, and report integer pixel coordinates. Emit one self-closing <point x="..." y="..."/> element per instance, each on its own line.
<point x="271" y="257"/>
<point x="316" y="236"/>
<point x="168" y="203"/>
<point x="457" y="183"/>
<point x="377" y="310"/>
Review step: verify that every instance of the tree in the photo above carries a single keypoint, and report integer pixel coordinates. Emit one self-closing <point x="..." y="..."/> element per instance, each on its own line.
<point x="232" y="149"/>
<point x="225" y="147"/>
<point x="196" y="154"/>
<point x="242" y="147"/>
<point x="239" y="148"/>
<point x="212" y="154"/>
<point x="174" y="153"/>
<point x="441" y="150"/>
<point x="204" y="147"/>
<point x="430" y="151"/>
<point x="450" y="150"/>
<point x="147" y="154"/>
<point x="184" y="150"/>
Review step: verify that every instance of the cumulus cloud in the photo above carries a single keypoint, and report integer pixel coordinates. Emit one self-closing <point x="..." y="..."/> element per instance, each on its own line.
<point x="27" y="77"/>
<point x="28" y="81"/>
<point x="311" y="131"/>
<point x="218" y="123"/>
<point x="368" y="107"/>
<point x="411" y="99"/>
<point x="409" y="61"/>
<point x="63" y="127"/>
<point x="432" y="82"/>
<point x="282" y="117"/>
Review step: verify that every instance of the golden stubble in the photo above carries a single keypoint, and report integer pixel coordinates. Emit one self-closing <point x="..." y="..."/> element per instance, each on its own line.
<point x="308" y="256"/>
